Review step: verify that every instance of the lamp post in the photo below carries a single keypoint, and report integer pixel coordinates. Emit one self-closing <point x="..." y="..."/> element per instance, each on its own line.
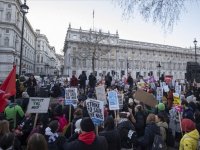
<point x="195" y="48"/>
<point x="127" y="66"/>
<point x="24" y="9"/>
<point x="159" y="66"/>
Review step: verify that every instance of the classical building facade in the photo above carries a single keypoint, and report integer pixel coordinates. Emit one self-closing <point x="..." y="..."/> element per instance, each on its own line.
<point x="38" y="56"/>
<point x="119" y="56"/>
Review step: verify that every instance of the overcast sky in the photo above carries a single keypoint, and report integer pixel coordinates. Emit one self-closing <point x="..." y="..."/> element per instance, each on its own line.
<point x="52" y="17"/>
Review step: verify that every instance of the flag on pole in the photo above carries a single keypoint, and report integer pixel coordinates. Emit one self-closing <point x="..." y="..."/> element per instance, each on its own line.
<point x="8" y="88"/>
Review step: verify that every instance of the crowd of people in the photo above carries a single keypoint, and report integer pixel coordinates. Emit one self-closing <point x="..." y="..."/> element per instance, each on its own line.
<point x="136" y="126"/>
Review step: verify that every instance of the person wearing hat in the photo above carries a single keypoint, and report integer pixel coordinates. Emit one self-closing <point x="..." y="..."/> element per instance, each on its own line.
<point x="162" y="112"/>
<point x="191" y="137"/>
<point x="87" y="138"/>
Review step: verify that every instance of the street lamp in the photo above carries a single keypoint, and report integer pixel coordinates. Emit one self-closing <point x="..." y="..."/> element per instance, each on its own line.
<point x="159" y="66"/>
<point x="24" y="9"/>
<point x="127" y="66"/>
<point x="195" y="48"/>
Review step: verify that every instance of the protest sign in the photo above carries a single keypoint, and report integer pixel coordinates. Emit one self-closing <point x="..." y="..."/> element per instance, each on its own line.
<point x="159" y="93"/>
<point x="38" y="105"/>
<point x="166" y="88"/>
<point x="177" y="100"/>
<point x="178" y="89"/>
<point x="113" y="100"/>
<point x="120" y="99"/>
<point x="100" y="93"/>
<point x="95" y="110"/>
<point x="70" y="96"/>
<point x="146" y="98"/>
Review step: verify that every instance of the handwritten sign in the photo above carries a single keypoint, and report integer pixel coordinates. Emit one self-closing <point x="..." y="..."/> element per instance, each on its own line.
<point x="159" y="93"/>
<point x="95" y="110"/>
<point x="70" y="96"/>
<point x="100" y="92"/>
<point x="38" y="105"/>
<point x="113" y="100"/>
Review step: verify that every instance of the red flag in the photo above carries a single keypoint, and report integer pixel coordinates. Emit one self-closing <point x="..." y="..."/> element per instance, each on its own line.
<point x="8" y="88"/>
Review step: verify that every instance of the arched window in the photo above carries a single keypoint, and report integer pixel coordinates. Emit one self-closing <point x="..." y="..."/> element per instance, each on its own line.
<point x="6" y="42"/>
<point x="41" y="59"/>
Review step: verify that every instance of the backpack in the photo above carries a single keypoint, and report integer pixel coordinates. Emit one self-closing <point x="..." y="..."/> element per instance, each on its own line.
<point x="170" y="140"/>
<point x="158" y="143"/>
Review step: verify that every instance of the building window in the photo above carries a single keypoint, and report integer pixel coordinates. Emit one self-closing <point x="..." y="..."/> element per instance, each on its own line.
<point x="74" y="62"/>
<point x="41" y="70"/>
<point x="8" y="16"/>
<point x="38" y="58"/>
<point x="84" y="63"/>
<point x="41" y="59"/>
<point x="37" y="70"/>
<point x="6" y="42"/>
<point x="9" y="5"/>
<point x="7" y="30"/>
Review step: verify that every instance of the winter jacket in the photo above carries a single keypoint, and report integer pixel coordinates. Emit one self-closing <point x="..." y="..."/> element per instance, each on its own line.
<point x="163" y="126"/>
<point x="74" y="81"/>
<point x="140" y="118"/>
<point x="189" y="141"/>
<point x="188" y="113"/>
<point x="146" y="141"/>
<point x="87" y="142"/>
<point x="113" y="139"/>
<point x="31" y="84"/>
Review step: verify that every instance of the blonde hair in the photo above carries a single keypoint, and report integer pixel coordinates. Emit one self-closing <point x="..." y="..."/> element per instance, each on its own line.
<point x="37" y="142"/>
<point x="4" y="127"/>
<point x="151" y="118"/>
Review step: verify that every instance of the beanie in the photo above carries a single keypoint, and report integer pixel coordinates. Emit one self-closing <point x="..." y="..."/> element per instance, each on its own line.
<point x="161" y="107"/>
<point x="87" y="124"/>
<point x="187" y="125"/>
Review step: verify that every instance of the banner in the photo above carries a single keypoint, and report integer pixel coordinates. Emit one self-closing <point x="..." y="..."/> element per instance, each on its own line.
<point x="120" y="99"/>
<point x="159" y="93"/>
<point x="70" y="96"/>
<point x="100" y="93"/>
<point x="177" y="100"/>
<point x="113" y="100"/>
<point x="38" y="105"/>
<point x="146" y="98"/>
<point x="95" y="110"/>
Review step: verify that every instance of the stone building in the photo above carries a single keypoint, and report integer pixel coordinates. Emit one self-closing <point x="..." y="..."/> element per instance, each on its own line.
<point x="38" y="56"/>
<point x="119" y="56"/>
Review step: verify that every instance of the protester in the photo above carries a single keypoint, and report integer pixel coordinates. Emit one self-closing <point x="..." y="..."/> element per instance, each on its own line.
<point x="74" y="81"/>
<point x="111" y="134"/>
<point x="92" y="81"/>
<point x="31" y="84"/>
<point x="87" y="139"/>
<point x="160" y="121"/>
<point x="108" y="80"/>
<point x="37" y="142"/>
<point x="82" y="81"/>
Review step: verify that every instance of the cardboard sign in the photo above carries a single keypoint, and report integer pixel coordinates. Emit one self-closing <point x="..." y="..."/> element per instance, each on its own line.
<point x="177" y="100"/>
<point x="120" y="99"/>
<point x="95" y="110"/>
<point x="70" y="96"/>
<point x="113" y="100"/>
<point x="100" y="93"/>
<point x="146" y="98"/>
<point x="38" y="105"/>
<point x="159" y="93"/>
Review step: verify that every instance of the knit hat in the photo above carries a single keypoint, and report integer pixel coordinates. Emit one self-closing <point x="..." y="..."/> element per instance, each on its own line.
<point x="161" y="107"/>
<point x="187" y="125"/>
<point x="87" y="124"/>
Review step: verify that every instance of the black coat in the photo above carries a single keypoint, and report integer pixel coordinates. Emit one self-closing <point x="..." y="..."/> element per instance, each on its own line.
<point x="113" y="139"/>
<point x="146" y="141"/>
<point x="100" y="143"/>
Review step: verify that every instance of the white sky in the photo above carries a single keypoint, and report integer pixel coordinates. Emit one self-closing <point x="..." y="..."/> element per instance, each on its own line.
<point x="52" y="17"/>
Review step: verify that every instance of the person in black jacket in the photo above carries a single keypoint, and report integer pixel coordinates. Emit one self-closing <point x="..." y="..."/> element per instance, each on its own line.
<point x="87" y="140"/>
<point x="82" y="81"/>
<point x="151" y="130"/>
<point x="92" y="80"/>
<point x="31" y="84"/>
<point x="111" y="134"/>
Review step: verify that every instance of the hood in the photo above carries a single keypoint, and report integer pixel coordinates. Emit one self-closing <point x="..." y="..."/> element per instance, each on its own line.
<point x="162" y="124"/>
<point x="154" y="128"/>
<point x="87" y="138"/>
<point x="193" y="134"/>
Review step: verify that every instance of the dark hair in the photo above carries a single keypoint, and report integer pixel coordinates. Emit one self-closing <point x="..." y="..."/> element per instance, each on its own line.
<point x="54" y="126"/>
<point x="87" y="124"/>
<point x="161" y="117"/>
<point x="109" y="123"/>
<point x="7" y="140"/>
<point x="37" y="142"/>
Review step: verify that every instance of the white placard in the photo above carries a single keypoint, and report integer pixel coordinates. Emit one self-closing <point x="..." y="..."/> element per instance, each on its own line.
<point x="166" y="88"/>
<point x="113" y="100"/>
<point x="70" y="96"/>
<point x="38" y="105"/>
<point x="159" y="93"/>
<point x="100" y="93"/>
<point x="95" y="110"/>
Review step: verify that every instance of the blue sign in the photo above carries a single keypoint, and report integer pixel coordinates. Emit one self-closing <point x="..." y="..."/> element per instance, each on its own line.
<point x="113" y="100"/>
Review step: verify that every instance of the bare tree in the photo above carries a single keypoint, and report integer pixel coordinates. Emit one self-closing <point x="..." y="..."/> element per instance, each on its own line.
<point x="94" y="45"/>
<point x="166" y="12"/>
